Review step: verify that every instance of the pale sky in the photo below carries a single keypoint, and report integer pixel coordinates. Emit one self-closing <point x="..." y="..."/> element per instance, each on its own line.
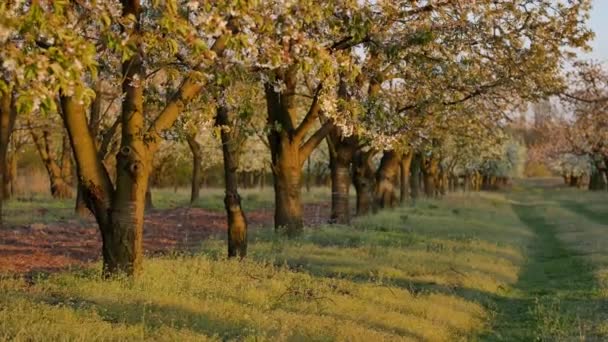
<point x="599" y="24"/>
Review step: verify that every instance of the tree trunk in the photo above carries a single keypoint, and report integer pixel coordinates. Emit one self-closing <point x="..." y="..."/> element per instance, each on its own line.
<point x="287" y="187"/>
<point x="10" y="176"/>
<point x="415" y="168"/>
<point x="404" y="184"/>
<point x="66" y="161"/>
<point x="386" y="177"/>
<point x="308" y="174"/>
<point x="477" y="181"/>
<point x="442" y="181"/>
<point x="429" y="171"/>
<point x="597" y="181"/>
<point x="237" y="222"/>
<point x="81" y="207"/>
<point x="289" y="148"/>
<point x="59" y="187"/>
<point x="341" y="152"/>
<point x="363" y="179"/>
<point x="197" y="159"/>
<point x="123" y="247"/>
<point x="262" y="179"/>
<point x="8" y="115"/>
<point x="340" y="188"/>
<point x="119" y="209"/>
<point x="149" y="203"/>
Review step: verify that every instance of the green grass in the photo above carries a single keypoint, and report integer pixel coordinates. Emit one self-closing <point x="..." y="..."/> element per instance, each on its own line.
<point x="37" y="209"/>
<point x="422" y="273"/>
<point x="43" y="209"/>
<point x="523" y="266"/>
<point x="213" y="198"/>
<point x="559" y="295"/>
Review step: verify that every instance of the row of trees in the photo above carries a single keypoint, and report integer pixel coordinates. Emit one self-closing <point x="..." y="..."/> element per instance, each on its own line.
<point x="425" y="85"/>
<point x="570" y="132"/>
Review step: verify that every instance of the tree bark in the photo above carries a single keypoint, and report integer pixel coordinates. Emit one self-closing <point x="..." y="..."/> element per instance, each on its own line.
<point x="386" y="178"/>
<point x="119" y="209"/>
<point x="149" y="202"/>
<point x="404" y="169"/>
<point x="66" y="161"/>
<point x="197" y="159"/>
<point x="287" y="187"/>
<point x="289" y="149"/>
<point x="81" y="207"/>
<point x="363" y="179"/>
<point x="415" y="168"/>
<point x="237" y="222"/>
<point x="341" y="152"/>
<point x="59" y="187"/>
<point x="8" y="115"/>
<point x="430" y="171"/>
<point x="597" y="181"/>
<point x="10" y="177"/>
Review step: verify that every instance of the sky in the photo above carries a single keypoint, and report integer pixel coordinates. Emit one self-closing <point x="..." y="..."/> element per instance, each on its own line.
<point x="599" y="24"/>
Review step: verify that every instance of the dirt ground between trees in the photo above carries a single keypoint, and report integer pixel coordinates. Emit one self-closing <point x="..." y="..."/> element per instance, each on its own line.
<point x="56" y="246"/>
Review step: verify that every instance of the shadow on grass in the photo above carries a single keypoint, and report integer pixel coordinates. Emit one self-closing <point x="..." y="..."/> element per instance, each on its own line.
<point x="555" y="297"/>
<point x="582" y="209"/>
<point x="149" y="316"/>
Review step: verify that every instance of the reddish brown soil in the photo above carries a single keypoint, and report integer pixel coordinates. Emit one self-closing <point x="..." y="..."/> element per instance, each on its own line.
<point x="57" y="246"/>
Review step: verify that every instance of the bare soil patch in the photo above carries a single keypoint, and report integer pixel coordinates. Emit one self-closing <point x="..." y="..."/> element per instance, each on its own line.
<point x="52" y="247"/>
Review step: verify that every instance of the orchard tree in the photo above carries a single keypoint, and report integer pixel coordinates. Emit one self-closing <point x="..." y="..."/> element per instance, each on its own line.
<point x="54" y="49"/>
<point x="302" y="46"/>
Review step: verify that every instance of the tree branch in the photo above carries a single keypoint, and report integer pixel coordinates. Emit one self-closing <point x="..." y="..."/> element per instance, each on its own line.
<point x="311" y="116"/>
<point x="577" y="98"/>
<point x="189" y="89"/>
<point x="107" y="138"/>
<point x="314" y="140"/>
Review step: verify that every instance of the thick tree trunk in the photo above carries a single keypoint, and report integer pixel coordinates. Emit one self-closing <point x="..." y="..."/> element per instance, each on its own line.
<point x="341" y="153"/>
<point x="287" y="174"/>
<point x="430" y="172"/>
<point x="8" y="115"/>
<point x="340" y="188"/>
<point x="597" y="181"/>
<point x="122" y="228"/>
<point x="95" y="182"/>
<point x="363" y="179"/>
<point x="237" y="222"/>
<point x="386" y="178"/>
<point x="119" y="210"/>
<point x="289" y="149"/>
<point x="404" y="169"/>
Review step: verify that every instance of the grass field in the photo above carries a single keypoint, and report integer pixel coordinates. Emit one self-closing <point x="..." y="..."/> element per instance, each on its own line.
<point x="41" y="208"/>
<point x="520" y="266"/>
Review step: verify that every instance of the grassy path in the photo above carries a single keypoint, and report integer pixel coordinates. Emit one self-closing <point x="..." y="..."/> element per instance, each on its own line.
<point x="556" y="297"/>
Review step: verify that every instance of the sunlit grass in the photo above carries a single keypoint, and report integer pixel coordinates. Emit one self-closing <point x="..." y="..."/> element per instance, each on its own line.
<point x="428" y="272"/>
